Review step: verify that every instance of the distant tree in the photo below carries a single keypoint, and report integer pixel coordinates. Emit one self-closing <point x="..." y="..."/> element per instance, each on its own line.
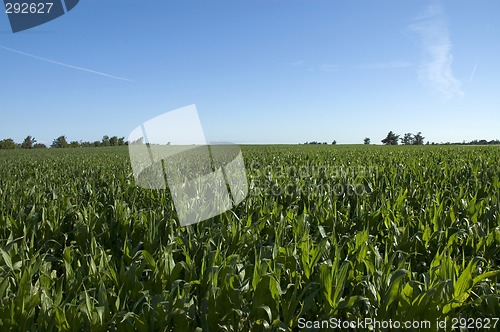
<point x="418" y="139"/>
<point x="106" y="141"/>
<point x="113" y="141"/>
<point x="28" y="142"/>
<point x="74" y="144"/>
<point x="39" y="146"/>
<point x="407" y="139"/>
<point x="60" y="142"/>
<point x="97" y="144"/>
<point x="391" y="139"/>
<point x="8" y="143"/>
<point x="334" y="142"/>
<point x="121" y="141"/>
<point x="366" y="140"/>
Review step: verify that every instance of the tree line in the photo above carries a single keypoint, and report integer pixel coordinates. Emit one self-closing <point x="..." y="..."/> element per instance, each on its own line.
<point x="314" y="142"/>
<point x="62" y="142"/>
<point x="30" y="142"/>
<point x="407" y="139"/>
<point x="418" y="139"/>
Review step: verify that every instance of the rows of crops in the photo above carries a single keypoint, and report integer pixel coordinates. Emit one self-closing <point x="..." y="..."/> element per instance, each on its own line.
<point x="350" y="232"/>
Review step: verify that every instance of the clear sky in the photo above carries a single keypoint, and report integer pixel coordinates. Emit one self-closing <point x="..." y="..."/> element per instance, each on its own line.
<point x="270" y="71"/>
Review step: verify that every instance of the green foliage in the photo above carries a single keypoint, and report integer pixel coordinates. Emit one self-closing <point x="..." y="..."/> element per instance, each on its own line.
<point x="418" y="139"/>
<point x="60" y="142"/>
<point x="28" y="142"/>
<point x="8" y="143"/>
<point x="83" y="248"/>
<point x="410" y="139"/>
<point x="391" y="139"/>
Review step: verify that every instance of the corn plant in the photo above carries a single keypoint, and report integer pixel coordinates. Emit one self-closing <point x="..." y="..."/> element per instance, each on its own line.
<point x="404" y="232"/>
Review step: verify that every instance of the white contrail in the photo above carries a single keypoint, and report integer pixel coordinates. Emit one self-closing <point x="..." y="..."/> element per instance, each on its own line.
<point x="65" y="64"/>
<point x="473" y="72"/>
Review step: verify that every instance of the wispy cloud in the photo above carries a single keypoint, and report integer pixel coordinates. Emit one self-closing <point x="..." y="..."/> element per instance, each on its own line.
<point x="296" y="63"/>
<point x="65" y="64"/>
<point x="435" y="68"/>
<point x="385" y="65"/>
<point x="328" y="67"/>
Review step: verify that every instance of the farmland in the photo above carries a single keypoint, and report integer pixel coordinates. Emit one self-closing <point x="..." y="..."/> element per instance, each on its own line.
<point x="401" y="233"/>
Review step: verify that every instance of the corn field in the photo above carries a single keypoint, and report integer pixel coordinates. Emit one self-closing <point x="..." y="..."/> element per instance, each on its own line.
<point x="401" y="233"/>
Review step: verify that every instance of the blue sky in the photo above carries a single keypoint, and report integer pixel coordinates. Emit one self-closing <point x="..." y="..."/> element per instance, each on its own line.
<point x="271" y="71"/>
